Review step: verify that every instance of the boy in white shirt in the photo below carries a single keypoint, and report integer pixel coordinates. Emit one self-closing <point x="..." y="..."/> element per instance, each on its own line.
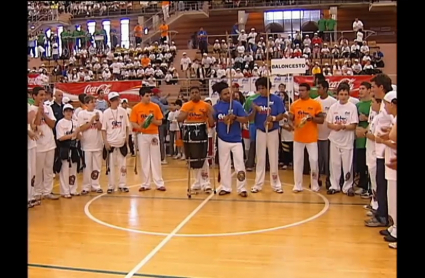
<point x="342" y="120"/>
<point x="287" y="140"/>
<point x="115" y="130"/>
<point x="32" y="145"/>
<point x="174" y="131"/>
<point x="44" y="123"/>
<point x="67" y="133"/>
<point x="90" y="124"/>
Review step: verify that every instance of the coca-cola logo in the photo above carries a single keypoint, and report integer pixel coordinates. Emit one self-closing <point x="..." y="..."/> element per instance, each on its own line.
<point x="94" y="90"/>
<point x="334" y="84"/>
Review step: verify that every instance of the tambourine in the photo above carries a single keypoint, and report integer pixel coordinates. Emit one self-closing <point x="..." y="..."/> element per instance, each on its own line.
<point x="303" y="121"/>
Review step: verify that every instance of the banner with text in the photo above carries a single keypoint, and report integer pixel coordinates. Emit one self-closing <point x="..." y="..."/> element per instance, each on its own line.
<point x="247" y="85"/>
<point x="288" y="66"/>
<point x="354" y="82"/>
<point x="126" y="89"/>
<point x="34" y="80"/>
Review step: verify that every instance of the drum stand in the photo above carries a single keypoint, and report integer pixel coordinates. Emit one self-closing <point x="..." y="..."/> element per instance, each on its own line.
<point x="191" y="192"/>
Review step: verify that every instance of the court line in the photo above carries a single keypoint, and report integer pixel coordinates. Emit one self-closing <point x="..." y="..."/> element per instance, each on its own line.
<point x="323" y="211"/>
<point x="99" y="271"/>
<point x="169" y="236"/>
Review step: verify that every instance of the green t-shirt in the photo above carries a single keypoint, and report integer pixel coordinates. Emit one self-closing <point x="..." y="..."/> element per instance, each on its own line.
<point x="363" y="107"/>
<point x="30" y="101"/>
<point x="322" y="24"/>
<point x="314" y="94"/>
<point x="248" y="103"/>
<point x="330" y="24"/>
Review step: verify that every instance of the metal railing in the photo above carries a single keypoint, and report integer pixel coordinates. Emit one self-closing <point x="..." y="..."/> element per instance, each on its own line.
<point x="219" y="4"/>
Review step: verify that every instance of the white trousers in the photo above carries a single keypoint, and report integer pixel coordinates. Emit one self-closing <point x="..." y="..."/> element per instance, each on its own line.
<point x="341" y="157"/>
<point x="268" y="141"/>
<point x="165" y="11"/>
<point x="31" y="172"/>
<point x="392" y="204"/>
<point x="224" y="150"/>
<point x="43" y="182"/>
<point x="150" y="159"/>
<point x="371" y="167"/>
<point x="91" y="173"/>
<point x="313" y="157"/>
<point x="202" y="177"/>
<point x="68" y="178"/>
<point x="117" y="162"/>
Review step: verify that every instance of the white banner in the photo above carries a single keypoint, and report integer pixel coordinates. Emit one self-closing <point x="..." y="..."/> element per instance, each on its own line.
<point x="288" y="66"/>
<point x="247" y="85"/>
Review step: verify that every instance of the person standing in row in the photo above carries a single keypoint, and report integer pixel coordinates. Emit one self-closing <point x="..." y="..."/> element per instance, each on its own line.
<point x="323" y="140"/>
<point x="267" y="110"/>
<point x="67" y="134"/>
<point x="342" y="119"/>
<point x="148" y="140"/>
<point x="90" y="124"/>
<point x="131" y="136"/>
<point x="44" y="123"/>
<point x="306" y="113"/>
<point x="32" y="146"/>
<point x="230" y="142"/>
<point x="115" y="130"/>
<point x="198" y="111"/>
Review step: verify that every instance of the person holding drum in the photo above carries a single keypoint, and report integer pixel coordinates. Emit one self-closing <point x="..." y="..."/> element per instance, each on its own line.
<point x="145" y="118"/>
<point x="196" y="115"/>
<point x="267" y="111"/>
<point x="230" y="139"/>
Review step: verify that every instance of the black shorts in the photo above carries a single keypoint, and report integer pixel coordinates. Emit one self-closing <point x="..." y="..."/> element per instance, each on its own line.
<point x="138" y="40"/>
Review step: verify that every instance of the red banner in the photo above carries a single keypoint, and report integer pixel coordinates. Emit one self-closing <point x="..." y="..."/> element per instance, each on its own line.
<point x="334" y="81"/>
<point x="32" y="80"/>
<point x="127" y="89"/>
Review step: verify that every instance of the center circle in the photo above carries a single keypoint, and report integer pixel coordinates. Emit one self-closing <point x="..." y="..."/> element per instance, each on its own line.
<point x="100" y="222"/>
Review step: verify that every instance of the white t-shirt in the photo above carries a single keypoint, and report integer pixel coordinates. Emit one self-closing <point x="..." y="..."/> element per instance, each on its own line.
<point x="115" y="123"/>
<point x="65" y="127"/>
<point x="46" y="140"/>
<point x="353" y="100"/>
<point x="382" y="120"/>
<point x="91" y="139"/>
<point x="172" y="117"/>
<point x="324" y="131"/>
<point x="342" y="114"/>
<point x="31" y="143"/>
<point x="286" y="135"/>
<point x="370" y="145"/>
<point x="390" y="174"/>
<point x="76" y="112"/>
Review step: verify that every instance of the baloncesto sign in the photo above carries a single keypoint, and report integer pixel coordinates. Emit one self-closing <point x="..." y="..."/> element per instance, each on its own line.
<point x="288" y="66"/>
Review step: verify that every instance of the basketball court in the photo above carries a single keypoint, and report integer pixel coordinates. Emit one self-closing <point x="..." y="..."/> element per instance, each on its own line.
<point x="164" y="234"/>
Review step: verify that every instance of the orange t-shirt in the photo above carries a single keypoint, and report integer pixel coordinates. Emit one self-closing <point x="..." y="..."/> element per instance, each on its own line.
<point x="145" y="62"/>
<point x="309" y="133"/>
<point x="141" y="111"/>
<point x="164" y="30"/>
<point x="196" y="111"/>
<point x="138" y="31"/>
<point x="165" y="3"/>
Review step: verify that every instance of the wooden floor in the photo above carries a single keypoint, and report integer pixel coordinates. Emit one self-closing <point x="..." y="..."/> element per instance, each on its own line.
<point x="163" y="234"/>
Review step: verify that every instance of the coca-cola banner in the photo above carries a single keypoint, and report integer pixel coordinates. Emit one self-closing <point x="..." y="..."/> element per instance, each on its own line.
<point x="33" y="80"/>
<point x="334" y="81"/>
<point x="127" y="89"/>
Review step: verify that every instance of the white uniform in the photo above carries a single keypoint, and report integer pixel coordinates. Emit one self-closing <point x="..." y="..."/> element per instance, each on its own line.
<point x="342" y="144"/>
<point x="45" y="154"/>
<point x="391" y="177"/>
<point x="92" y="145"/>
<point x="68" y="174"/>
<point x="32" y="145"/>
<point x="115" y="123"/>
<point x="371" y="158"/>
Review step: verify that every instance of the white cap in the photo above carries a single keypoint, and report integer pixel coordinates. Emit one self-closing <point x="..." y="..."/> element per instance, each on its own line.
<point x="250" y="94"/>
<point x="390" y="96"/>
<point x="67" y="106"/>
<point x="112" y="95"/>
<point x="124" y="100"/>
<point x="208" y="99"/>
<point x="65" y="100"/>
<point x="394" y="87"/>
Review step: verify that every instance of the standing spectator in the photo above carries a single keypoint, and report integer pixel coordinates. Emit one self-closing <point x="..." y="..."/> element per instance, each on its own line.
<point x="330" y="27"/>
<point x="202" y="37"/>
<point x="166" y="9"/>
<point x="322" y="26"/>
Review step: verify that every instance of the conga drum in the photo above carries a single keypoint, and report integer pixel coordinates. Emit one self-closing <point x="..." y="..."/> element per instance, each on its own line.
<point x="195" y="141"/>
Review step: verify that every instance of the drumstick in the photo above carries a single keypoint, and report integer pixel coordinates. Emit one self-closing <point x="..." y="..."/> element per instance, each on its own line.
<point x="268" y="82"/>
<point x="230" y="80"/>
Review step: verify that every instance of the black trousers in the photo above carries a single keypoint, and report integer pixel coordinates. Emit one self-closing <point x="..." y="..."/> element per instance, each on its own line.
<point x="361" y="168"/>
<point x="131" y="144"/>
<point x="288" y="152"/>
<point x="381" y="190"/>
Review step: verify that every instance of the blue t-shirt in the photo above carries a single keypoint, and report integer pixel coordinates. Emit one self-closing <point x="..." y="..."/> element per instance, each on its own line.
<point x="276" y="108"/>
<point x="221" y="109"/>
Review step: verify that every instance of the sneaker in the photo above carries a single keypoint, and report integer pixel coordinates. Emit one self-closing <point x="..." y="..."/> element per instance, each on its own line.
<point x="164" y="162"/>
<point x="393" y="245"/>
<point x="350" y="192"/>
<point x="366" y="195"/>
<point x="51" y="197"/>
<point x="360" y="191"/>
